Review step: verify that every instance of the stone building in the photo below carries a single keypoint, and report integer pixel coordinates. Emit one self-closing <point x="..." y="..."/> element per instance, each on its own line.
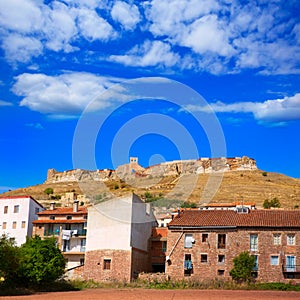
<point x="118" y="239"/>
<point x="201" y="244"/>
<point x="68" y="226"/>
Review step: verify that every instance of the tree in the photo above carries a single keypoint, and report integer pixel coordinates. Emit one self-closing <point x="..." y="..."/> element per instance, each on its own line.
<point x="40" y="261"/>
<point x="48" y="191"/>
<point x="243" y="267"/>
<point x="187" y="204"/>
<point x="9" y="259"/>
<point x="271" y="203"/>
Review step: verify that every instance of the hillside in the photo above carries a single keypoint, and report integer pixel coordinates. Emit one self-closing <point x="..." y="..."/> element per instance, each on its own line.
<point x="254" y="186"/>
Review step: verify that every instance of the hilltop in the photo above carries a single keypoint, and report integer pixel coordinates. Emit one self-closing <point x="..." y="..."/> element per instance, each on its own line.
<point x="173" y="182"/>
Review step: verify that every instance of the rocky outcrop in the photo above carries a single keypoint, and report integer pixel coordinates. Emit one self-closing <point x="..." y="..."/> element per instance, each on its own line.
<point x="172" y="168"/>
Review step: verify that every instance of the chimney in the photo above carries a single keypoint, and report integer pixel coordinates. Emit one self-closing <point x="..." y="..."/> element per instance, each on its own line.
<point x="75" y="206"/>
<point x="52" y="205"/>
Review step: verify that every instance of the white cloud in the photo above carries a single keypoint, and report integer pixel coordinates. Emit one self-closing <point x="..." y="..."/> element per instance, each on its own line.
<point x="68" y="93"/>
<point x="277" y="110"/>
<point x="127" y="15"/>
<point x="20" y="15"/>
<point x="207" y="35"/>
<point x="20" y="48"/>
<point x="149" y="54"/>
<point x="93" y="27"/>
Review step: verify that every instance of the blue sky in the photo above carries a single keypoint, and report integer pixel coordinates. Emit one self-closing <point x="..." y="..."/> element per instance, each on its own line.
<point x="63" y="62"/>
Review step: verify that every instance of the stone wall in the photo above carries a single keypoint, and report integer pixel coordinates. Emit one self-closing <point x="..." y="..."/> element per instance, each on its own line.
<point x="237" y="241"/>
<point x="120" y="267"/>
<point x="173" y="168"/>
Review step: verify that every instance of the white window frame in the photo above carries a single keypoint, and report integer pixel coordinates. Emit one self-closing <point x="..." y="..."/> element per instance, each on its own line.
<point x="272" y="261"/>
<point x="276" y="238"/>
<point x="291" y="239"/>
<point x="253" y="242"/>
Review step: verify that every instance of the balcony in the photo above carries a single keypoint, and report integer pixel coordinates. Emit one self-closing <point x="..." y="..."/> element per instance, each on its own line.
<point x="291" y="268"/>
<point x="51" y="232"/>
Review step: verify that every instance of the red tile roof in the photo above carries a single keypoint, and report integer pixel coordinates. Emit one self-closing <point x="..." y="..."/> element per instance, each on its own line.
<point x="59" y="221"/>
<point x="64" y="211"/>
<point x="159" y="232"/>
<point x="230" y="218"/>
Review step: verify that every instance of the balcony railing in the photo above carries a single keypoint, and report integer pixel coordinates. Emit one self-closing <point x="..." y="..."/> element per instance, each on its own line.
<point x="51" y="232"/>
<point x="291" y="268"/>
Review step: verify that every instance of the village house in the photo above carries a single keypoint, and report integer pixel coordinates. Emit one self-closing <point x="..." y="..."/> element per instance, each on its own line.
<point x="118" y="239"/>
<point x="68" y="226"/>
<point x="16" y="216"/>
<point x="202" y="244"/>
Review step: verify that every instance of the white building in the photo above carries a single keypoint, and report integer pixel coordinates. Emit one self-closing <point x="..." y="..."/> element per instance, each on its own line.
<point x="118" y="236"/>
<point x="16" y="216"/>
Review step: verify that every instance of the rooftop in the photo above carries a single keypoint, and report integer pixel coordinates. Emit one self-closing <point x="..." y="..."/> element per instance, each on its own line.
<point x="230" y="218"/>
<point x="64" y="211"/>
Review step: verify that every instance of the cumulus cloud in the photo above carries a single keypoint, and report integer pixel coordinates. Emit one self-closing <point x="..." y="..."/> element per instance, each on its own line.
<point x="277" y="110"/>
<point x="68" y="93"/>
<point x="93" y="27"/>
<point x="209" y="35"/>
<point x="151" y="53"/>
<point x="127" y="15"/>
<point x="21" y="49"/>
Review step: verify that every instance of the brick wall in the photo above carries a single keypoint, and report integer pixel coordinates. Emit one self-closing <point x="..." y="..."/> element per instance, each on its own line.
<point x="140" y="262"/>
<point x="120" y="267"/>
<point x="237" y="241"/>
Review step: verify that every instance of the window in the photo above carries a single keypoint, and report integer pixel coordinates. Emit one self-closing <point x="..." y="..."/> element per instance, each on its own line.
<point x="188" y="240"/>
<point x="274" y="260"/>
<point x="188" y="265"/>
<point x="23" y="225"/>
<point x="106" y="264"/>
<point x="221" y="241"/>
<point x="221" y="259"/>
<point x="277" y="239"/>
<point x="291" y="239"/>
<point x="4" y="225"/>
<point x="253" y="242"/>
<point x="221" y="272"/>
<point x="290" y="263"/>
<point x="81" y="261"/>
<point x="256" y="263"/>
<point x="204" y="237"/>
<point x="52" y="217"/>
<point x="16" y="208"/>
<point x="164" y="246"/>
<point x="5" y="209"/>
<point x="69" y="217"/>
<point x="203" y="258"/>
<point x="14" y="225"/>
<point x="37" y="210"/>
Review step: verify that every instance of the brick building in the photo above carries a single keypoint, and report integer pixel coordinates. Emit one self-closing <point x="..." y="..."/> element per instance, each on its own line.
<point x="68" y="226"/>
<point x="158" y="248"/>
<point x="201" y="244"/>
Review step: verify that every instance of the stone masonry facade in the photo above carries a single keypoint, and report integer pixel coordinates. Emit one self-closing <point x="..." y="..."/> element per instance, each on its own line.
<point x="210" y="262"/>
<point x="115" y="265"/>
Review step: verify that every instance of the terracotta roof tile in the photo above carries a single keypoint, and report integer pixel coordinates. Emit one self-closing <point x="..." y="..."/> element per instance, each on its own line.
<point x="255" y="218"/>
<point x="63" y="211"/>
<point x="58" y="221"/>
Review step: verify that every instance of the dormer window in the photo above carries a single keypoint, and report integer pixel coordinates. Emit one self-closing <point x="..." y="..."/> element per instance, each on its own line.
<point x="52" y="217"/>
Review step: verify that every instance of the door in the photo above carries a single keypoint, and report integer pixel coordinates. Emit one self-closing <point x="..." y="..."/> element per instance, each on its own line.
<point x="290" y="263"/>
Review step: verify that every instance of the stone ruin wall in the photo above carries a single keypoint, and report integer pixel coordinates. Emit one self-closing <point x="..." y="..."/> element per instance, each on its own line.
<point x="173" y="168"/>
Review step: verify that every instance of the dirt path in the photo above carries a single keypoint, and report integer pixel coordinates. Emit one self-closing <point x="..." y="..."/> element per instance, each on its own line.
<point x="145" y="294"/>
